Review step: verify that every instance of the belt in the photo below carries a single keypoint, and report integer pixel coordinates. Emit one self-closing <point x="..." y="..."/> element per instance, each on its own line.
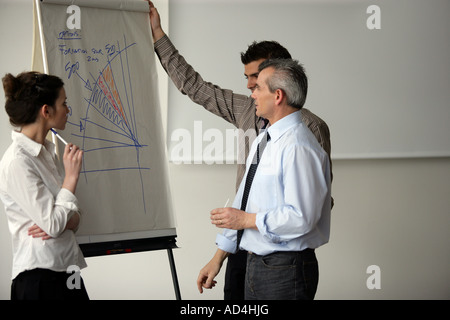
<point x="304" y="251"/>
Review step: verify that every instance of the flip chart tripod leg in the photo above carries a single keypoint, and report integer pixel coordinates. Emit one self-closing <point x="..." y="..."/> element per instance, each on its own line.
<point x="174" y="274"/>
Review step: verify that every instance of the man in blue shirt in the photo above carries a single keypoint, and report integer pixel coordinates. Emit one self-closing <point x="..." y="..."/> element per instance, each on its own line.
<point x="287" y="214"/>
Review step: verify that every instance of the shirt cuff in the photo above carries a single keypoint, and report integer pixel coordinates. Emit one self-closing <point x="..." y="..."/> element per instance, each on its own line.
<point x="225" y="244"/>
<point x="261" y="224"/>
<point x="67" y="199"/>
<point x="162" y="44"/>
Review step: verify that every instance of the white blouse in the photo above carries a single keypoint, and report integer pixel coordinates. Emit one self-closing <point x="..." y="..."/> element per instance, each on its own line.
<point x="31" y="190"/>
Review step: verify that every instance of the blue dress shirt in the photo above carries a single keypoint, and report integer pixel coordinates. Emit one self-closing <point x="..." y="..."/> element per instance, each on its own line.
<point x="290" y="193"/>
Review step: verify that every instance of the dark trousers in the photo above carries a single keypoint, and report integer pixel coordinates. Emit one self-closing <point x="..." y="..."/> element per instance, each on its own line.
<point x="44" y="284"/>
<point x="282" y="276"/>
<point x="234" y="288"/>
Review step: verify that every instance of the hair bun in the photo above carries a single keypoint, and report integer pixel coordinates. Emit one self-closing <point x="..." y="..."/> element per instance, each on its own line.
<point x="11" y="86"/>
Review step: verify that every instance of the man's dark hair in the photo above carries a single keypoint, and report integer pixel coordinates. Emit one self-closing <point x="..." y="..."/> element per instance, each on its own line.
<point x="264" y="50"/>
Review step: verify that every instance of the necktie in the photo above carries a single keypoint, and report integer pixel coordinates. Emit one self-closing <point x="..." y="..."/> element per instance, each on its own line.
<point x="250" y="175"/>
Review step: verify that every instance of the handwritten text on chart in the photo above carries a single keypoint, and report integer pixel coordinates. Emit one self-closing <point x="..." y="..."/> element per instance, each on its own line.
<point x="91" y="54"/>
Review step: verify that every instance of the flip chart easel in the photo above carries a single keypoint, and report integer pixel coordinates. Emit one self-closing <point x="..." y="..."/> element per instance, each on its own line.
<point x="136" y="245"/>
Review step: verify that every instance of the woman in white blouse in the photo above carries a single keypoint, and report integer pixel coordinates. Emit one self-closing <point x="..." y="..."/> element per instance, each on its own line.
<point x="38" y="193"/>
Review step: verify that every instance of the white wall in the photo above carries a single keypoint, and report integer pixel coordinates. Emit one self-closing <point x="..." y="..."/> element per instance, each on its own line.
<point x="375" y="76"/>
<point x="390" y="213"/>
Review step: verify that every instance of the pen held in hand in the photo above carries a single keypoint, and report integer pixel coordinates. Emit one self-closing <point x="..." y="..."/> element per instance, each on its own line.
<point x="58" y="136"/>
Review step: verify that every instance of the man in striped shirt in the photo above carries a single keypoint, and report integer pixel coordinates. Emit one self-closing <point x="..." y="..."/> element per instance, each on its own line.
<point x="237" y="109"/>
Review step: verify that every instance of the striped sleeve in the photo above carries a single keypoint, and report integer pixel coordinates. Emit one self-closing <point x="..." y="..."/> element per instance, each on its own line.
<point x="222" y="102"/>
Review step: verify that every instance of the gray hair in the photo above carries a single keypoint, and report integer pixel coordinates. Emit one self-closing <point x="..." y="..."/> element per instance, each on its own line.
<point x="290" y="77"/>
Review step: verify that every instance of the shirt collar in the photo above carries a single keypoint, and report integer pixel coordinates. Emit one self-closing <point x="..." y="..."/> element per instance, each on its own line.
<point x="31" y="146"/>
<point x="284" y="124"/>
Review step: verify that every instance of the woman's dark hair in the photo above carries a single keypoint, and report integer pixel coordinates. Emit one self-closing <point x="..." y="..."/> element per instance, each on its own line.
<point x="27" y="93"/>
<point x="264" y="50"/>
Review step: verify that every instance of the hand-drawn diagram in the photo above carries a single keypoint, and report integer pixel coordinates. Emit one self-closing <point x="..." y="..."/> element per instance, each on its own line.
<point x="107" y="121"/>
<point x="110" y="77"/>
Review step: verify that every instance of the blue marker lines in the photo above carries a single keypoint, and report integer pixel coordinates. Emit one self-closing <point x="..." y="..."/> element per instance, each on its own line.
<point x="108" y="123"/>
